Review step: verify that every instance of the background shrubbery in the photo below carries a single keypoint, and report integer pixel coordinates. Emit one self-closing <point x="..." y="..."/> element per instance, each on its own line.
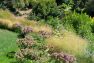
<point x="80" y="23"/>
<point x="43" y="9"/>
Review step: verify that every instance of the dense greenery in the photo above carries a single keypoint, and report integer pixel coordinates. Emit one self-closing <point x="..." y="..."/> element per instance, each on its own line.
<point x="78" y="5"/>
<point x="55" y="31"/>
<point x="44" y="9"/>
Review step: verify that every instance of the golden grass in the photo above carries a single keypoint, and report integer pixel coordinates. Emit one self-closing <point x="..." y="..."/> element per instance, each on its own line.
<point x="69" y="42"/>
<point x="5" y="14"/>
<point x="5" y="22"/>
<point x="6" y="18"/>
<point x="24" y="22"/>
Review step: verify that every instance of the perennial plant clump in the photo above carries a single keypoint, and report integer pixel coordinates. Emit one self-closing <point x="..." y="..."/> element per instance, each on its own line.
<point x="26" y="49"/>
<point x="25" y="30"/>
<point x="26" y="42"/>
<point x="67" y="58"/>
<point x="45" y="34"/>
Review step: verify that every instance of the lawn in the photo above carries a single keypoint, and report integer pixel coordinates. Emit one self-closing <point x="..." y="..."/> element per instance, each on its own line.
<point x="7" y="44"/>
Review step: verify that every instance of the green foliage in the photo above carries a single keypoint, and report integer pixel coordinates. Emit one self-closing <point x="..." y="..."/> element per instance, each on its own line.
<point x="54" y="22"/>
<point x="20" y="4"/>
<point x="43" y="9"/>
<point x="80" y="23"/>
<point x="33" y="51"/>
<point x="38" y="38"/>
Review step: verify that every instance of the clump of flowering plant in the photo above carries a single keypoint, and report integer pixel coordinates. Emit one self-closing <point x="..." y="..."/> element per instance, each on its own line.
<point x="67" y="58"/>
<point x="23" y="54"/>
<point x="45" y="34"/>
<point x="26" y="42"/>
<point x="25" y="30"/>
<point x="26" y="49"/>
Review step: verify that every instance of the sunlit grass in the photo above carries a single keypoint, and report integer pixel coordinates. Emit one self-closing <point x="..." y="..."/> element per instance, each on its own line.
<point x="5" y="22"/>
<point x="8" y="19"/>
<point x="69" y="42"/>
<point x="7" y="44"/>
<point x="5" y="14"/>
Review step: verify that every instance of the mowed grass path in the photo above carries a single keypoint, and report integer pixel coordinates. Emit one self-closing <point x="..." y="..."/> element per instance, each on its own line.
<point x="7" y="44"/>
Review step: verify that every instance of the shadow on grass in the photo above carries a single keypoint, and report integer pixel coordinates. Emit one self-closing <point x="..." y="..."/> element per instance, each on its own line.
<point x="11" y="54"/>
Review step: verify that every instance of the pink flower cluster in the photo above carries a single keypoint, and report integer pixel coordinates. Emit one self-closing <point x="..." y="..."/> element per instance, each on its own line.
<point x="25" y="53"/>
<point x="67" y="58"/>
<point x="26" y="30"/>
<point x="45" y="34"/>
<point x="26" y="42"/>
<point x="26" y="49"/>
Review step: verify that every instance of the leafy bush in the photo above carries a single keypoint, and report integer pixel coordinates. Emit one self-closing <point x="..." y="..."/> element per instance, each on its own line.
<point x="54" y="22"/>
<point x="14" y="3"/>
<point x="79" y="23"/>
<point x="43" y="9"/>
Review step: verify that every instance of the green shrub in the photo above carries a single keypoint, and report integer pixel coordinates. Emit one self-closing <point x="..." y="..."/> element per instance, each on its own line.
<point x="79" y="23"/>
<point x="11" y="4"/>
<point x="43" y="9"/>
<point x="54" y="22"/>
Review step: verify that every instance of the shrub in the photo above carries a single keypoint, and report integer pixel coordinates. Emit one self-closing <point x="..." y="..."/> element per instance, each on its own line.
<point x="79" y="23"/>
<point x="14" y="4"/>
<point x="43" y="9"/>
<point x="54" y="22"/>
<point x="38" y="38"/>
